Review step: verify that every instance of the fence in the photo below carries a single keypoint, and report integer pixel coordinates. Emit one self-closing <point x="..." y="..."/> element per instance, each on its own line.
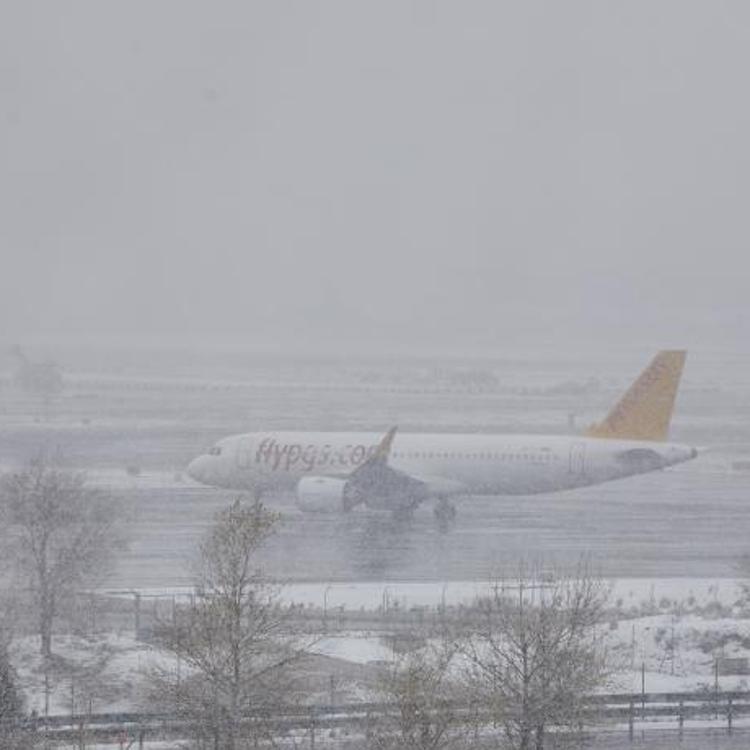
<point x="618" y="712"/>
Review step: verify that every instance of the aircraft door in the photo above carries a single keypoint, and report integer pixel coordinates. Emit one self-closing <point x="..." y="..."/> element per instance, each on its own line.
<point x="577" y="459"/>
<point x="244" y="453"/>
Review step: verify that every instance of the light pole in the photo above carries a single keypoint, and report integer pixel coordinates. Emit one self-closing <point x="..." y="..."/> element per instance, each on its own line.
<point x="442" y="609"/>
<point x="325" y="608"/>
<point x="386" y="602"/>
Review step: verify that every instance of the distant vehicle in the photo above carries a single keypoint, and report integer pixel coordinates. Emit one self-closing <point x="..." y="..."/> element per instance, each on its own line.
<point x="338" y="471"/>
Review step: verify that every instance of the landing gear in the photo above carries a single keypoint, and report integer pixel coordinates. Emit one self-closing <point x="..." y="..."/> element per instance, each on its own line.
<point x="445" y="511"/>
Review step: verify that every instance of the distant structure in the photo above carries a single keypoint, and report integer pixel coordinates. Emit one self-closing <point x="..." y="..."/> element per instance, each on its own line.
<point x="474" y="380"/>
<point x="39" y="378"/>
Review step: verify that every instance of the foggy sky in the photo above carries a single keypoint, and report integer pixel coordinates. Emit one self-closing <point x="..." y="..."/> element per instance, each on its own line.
<point x="387" y="174"/>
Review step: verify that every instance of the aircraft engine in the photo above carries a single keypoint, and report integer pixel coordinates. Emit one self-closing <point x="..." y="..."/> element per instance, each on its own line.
<point x="377" y="486"/>
<point x="324" y="495"/>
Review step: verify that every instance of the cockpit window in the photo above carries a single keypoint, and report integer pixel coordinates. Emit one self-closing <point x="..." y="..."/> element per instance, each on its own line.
<point x="215" y="451"/>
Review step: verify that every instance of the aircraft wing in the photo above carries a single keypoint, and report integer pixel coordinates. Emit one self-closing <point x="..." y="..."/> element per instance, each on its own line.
<point x="379" y="485"/>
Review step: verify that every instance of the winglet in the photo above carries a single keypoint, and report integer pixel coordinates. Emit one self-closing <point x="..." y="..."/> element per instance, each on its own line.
<point x="383" y="451"/>
<point x="645" y="411"/>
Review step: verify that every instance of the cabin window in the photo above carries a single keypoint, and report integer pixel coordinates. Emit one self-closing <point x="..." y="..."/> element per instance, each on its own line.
<point x="215" y="450"/>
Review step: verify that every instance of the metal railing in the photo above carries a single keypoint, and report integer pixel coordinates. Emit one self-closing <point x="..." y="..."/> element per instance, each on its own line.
<point x="621" y="712"/>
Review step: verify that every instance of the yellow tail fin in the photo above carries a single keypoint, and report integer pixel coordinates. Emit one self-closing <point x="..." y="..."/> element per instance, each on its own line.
<point x="644" y="412"/>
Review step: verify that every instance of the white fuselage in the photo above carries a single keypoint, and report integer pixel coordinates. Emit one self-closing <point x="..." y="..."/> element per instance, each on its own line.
<point x="449" y="464"/>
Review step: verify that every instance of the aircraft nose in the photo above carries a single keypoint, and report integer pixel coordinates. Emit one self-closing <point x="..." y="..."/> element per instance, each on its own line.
<point x="197" y="469"/>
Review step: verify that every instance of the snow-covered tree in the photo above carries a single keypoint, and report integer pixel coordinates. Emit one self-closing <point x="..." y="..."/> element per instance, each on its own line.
<point x="64" y="534"/>
<point x="231" y="652"/>
<point x="15" y="734"/>
<point x="423" y="693"/>
<point x="11" y="700"/>
<point x="536" y="654"/>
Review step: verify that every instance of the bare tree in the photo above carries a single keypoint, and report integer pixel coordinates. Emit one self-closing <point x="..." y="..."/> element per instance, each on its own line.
<point x="66" y="535"/>
<point x="419" y="687"/>
<point x="537" y="653"/>
<point x="15" y="734"/>
<point x="232" y="652"/>
<point x="15" y="731"/>
<point x="11" y="701"/>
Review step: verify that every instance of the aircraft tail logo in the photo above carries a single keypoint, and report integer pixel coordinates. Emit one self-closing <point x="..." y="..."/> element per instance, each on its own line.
<point x="645" y="411"/>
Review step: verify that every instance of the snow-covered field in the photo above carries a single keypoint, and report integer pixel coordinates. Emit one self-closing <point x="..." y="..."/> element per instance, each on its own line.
<point x="667" y="633"/>
<point x="101" y="673"/>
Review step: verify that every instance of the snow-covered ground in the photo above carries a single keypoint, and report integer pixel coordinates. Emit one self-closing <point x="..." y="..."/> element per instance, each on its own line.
<point x="679" y="652"/>
<point x="355" y="595"/>
<point x="669" y="633"/>
<point x="101" y="673"/>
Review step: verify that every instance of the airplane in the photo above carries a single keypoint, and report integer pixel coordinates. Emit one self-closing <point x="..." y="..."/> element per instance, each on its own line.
<point x="337" y="471"/>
